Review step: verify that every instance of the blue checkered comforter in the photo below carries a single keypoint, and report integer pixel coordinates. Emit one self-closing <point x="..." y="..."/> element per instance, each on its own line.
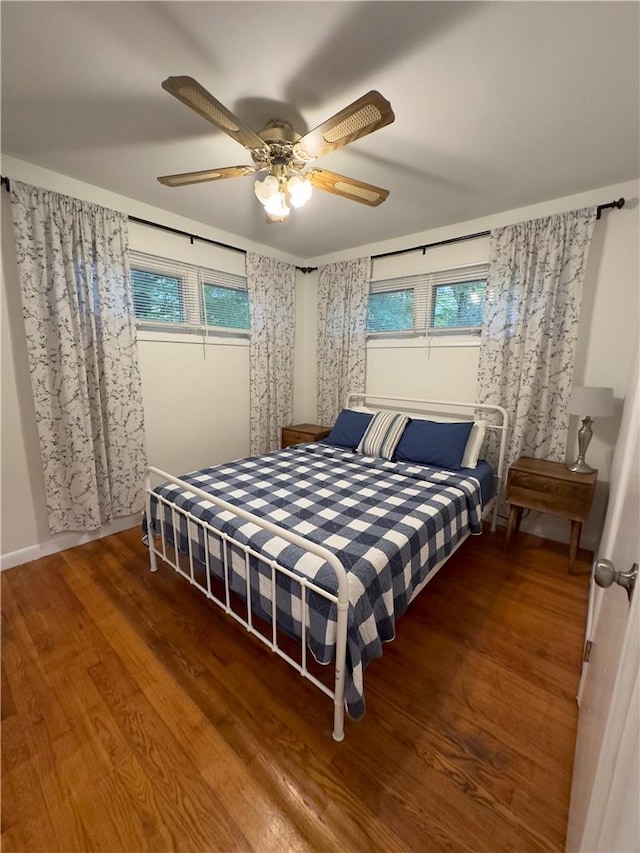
<point x="389" y="523"/>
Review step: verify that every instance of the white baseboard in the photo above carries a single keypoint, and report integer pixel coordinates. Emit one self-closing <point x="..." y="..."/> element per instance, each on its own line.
<point x="538" y="525"/>
<point x="63" y="541"/>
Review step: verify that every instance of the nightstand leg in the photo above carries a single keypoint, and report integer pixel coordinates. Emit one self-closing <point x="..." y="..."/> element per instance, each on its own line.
<point x="576" y="529"/>
<point x="519" y="511"/>
<point x="512" y="517"/>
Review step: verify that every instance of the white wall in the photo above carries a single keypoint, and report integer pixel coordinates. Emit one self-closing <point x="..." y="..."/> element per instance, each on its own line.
<point x="304" y="380"/>
<point x="22" y="506"/>
<point x="179" y="378"/>
<point x="196" y="397"/>
<point x="196" y="394"/>
<point x="607" y="332"/>
<point x="440" y="368"/>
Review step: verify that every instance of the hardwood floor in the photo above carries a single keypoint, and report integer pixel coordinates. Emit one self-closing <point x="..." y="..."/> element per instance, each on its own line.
<point x="137" y="716"/>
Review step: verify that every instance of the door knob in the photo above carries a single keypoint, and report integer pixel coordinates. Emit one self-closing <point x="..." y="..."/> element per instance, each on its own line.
<point x="605" y="574"/>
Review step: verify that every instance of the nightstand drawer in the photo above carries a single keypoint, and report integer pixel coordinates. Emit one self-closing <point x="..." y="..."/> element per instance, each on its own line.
<point x="539" y="492"/>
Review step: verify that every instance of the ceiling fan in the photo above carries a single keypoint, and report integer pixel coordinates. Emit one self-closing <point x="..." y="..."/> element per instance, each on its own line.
<point x="284" y="154"/>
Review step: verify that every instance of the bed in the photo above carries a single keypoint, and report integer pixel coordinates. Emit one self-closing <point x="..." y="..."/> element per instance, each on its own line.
<point x="325" y="545"/>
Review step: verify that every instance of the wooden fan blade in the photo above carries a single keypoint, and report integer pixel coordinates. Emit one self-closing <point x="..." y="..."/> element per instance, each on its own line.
<point x="347" y="187"/>
<point x="191" y="93"/>
<point x="368" y="113"/>
<point x="207" y="175"/>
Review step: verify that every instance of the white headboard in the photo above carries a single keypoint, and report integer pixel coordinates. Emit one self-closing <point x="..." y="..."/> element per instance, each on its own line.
<point x="496" y="418"/>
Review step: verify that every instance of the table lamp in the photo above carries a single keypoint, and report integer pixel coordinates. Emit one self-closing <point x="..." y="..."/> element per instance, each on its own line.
<point x="596" y="401"/>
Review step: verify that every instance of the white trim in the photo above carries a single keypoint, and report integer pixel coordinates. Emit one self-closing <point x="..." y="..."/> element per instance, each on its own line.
<point x="64" y="541"/>
<point x="167" y="337"/>
<point x="417" y="341"/>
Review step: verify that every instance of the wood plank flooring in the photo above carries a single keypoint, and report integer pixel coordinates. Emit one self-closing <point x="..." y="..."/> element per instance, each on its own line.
<point x="137" y="716"/>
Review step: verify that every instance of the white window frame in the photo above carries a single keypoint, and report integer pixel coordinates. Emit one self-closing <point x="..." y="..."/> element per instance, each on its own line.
<point x="424" y="286"/>
<point x="193" y="279"/>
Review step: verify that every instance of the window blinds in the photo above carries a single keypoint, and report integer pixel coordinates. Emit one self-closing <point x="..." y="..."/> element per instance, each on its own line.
<point x="184" y="297"/>
<point x="446" y="301"/>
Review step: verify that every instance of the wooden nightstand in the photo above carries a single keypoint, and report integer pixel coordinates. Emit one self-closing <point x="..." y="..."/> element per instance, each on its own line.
<point x="299" y="433"/>
<point x="549" y="487"/>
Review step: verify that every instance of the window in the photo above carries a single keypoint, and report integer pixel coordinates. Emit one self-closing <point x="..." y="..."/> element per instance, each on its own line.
<point x="157" y="297"/>
<point x="225" y="307"/>
<point x="175" y="297"/>
<point x="459" y="305"/>
<point x="391" y="311"/>
<point x="445" y="302"/>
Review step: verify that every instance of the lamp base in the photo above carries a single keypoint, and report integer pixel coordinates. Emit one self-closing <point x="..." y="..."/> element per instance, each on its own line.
<point x="580" y="466"/>
<point x="584" y="437"/>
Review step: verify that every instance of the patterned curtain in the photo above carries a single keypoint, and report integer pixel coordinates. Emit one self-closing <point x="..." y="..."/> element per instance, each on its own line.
<point x="343" y="294"/>
<point x="81" y="339"/>
<point x="272" y="297"/>
<point x="532" y="308"/>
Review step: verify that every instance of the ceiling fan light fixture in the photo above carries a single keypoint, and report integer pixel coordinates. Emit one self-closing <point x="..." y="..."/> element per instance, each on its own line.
<point x="276" y="207"/>
<point x="282" y="153"/>
<point x="299" y="189"/>
<point x="266" y="189"/>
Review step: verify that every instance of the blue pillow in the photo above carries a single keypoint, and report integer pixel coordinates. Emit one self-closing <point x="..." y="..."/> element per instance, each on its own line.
<point x="440" y="445"/>
<point x="348" y="429"/>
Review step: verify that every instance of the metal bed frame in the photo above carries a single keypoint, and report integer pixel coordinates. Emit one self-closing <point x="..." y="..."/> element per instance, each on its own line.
<point x="169" y="553"/>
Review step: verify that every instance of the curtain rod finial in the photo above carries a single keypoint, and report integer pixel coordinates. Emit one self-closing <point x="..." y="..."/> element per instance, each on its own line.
<point x="618" y="204"/>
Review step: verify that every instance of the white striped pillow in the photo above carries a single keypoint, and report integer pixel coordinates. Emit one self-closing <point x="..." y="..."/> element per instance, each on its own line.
<point x="383" y="434"/>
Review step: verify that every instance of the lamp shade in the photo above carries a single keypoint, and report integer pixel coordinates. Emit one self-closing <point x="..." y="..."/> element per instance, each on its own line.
<point x="591" y="402"/>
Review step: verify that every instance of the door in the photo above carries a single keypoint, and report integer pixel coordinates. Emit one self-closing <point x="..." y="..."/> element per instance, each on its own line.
<point x="604" y="795"/>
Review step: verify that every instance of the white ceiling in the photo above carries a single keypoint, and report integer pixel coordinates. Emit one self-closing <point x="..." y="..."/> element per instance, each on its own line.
<point x="498" y="105"/>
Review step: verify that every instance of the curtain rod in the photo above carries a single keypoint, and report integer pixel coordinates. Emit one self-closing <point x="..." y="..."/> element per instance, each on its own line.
<point x="180" y="233"/>
<point x="619" y="203"/>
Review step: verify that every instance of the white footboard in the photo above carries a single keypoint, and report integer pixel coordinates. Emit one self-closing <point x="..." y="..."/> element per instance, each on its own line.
<point x="160" y="547"/>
